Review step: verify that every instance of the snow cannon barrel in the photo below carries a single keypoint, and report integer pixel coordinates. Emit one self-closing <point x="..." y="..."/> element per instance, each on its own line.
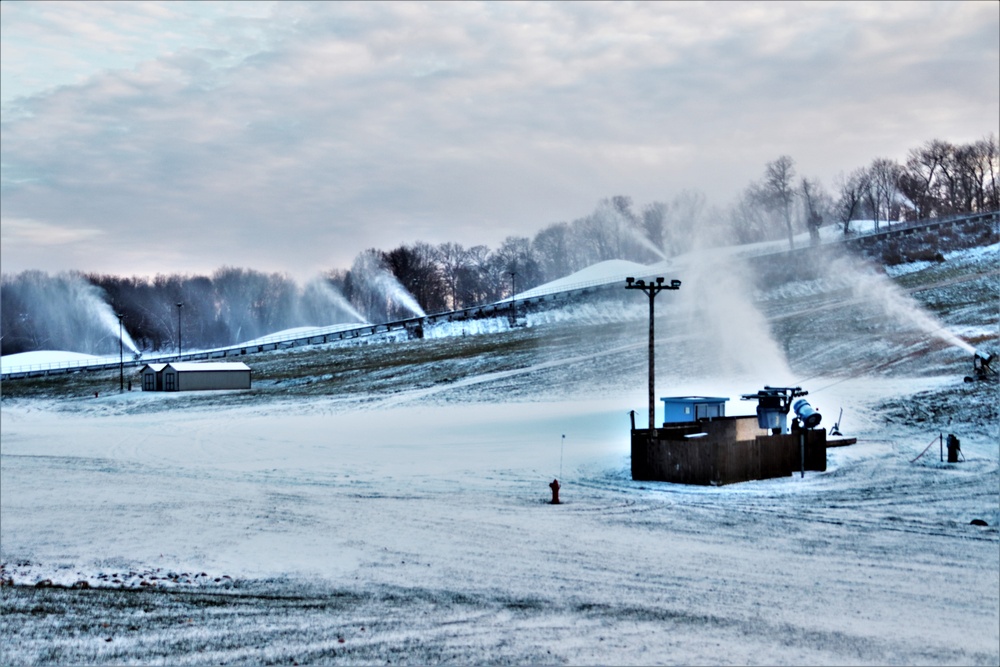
<point x="805" y="412"/>
<point x="983" y="356"/>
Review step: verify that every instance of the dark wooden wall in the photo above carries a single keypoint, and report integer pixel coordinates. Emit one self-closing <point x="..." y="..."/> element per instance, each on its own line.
<point x="714" y="460"/>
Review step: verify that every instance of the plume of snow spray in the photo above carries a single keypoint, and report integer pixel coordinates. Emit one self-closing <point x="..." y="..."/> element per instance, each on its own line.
<point x="631" y="227"/>
<point x="65" y="312"/>
<point x="395" y="292"/>
<point x="376" y="291"/>
<point x="879" y="291"/>
<point x="644" y="241"/>
<point x="320" y="301"/>
<point x="731" y="335"/>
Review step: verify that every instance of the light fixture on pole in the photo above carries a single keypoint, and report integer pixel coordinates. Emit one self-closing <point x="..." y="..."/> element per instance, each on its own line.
<point x="179" y="348"/>
<point x="651" y="289"/>
<point x="121" y="356"/>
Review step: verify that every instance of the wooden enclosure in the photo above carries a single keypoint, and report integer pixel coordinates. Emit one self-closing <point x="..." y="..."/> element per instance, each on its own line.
<point x="723" y="451"/>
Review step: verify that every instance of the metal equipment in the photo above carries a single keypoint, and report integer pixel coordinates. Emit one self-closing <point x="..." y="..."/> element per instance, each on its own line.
<point x="981" y="368"/>
<point x="954" y="448"/>
<point x="806" y="414"/>
<point x="773" y="404"/>
<point x="836" y="427"/>
<point x="651" y="289"/>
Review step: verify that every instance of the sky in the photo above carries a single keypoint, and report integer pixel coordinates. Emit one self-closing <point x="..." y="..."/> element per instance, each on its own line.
<point x="178" y="137"/>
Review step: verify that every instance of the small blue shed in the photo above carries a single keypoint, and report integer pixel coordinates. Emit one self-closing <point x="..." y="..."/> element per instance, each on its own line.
<point x="680" y="409"/>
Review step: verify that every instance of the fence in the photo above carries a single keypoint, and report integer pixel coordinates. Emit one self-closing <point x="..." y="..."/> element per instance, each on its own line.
<point x="714" y="459"/>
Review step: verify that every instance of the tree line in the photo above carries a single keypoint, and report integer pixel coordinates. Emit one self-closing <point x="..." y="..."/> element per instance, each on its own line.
<point x="236" y="304"/>
<point x="937" y="179"/>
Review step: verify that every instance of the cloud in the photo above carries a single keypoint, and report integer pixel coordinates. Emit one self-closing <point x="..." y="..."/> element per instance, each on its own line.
<point x="291" y="136"/>
<point x="38" y="233"/>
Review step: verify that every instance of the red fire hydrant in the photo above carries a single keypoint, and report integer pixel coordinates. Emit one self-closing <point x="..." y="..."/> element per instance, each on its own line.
<point x="555" y="491"/>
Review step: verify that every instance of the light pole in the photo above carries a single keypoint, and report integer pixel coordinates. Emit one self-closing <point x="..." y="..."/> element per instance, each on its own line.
<point x="513" y="305"/>
<point x="651" y="290"/>
<point x="179" y="348"/>
<point x="121" y="356"/>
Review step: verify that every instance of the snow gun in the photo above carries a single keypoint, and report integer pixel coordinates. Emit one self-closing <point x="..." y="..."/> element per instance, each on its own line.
<point x="981" y="368"/>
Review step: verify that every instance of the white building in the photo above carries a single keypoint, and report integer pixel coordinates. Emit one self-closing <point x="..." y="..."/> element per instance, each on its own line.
<point x="193" y="376"/>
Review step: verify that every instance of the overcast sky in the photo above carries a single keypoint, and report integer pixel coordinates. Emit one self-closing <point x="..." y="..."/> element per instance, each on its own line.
<point x="146" y="137"/>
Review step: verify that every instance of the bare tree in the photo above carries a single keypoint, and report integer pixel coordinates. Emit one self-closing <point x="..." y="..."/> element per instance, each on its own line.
<point x="481" y="280"/>
<point x="552" y="248"/>
<point x="871" y="198"/>
<point x="922" y="171"/>
<point x="812" y="200"/>
<point x="779" y="178"/>
<point x="516" y="256"/>
<point x="941" y="178"/>
<point x="750" y="216"/>
<point x="989" y="153"/>
<point x="884" y="188"/>
<point x="451" y="258"/>
<point x="852" y="195"/>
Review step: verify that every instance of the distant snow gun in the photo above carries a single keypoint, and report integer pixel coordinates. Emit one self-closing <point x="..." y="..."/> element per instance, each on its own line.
<point x="836" y="427"/>
<point x="954" y="449"/>
<point x="981" y="368"/>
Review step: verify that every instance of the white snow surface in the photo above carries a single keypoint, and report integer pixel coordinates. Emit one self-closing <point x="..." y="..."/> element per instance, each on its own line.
<point x="602" y="273"/>
<point x="45" y="357"/>
<point x="871" y="561"/>
<point x="425" y="507"/>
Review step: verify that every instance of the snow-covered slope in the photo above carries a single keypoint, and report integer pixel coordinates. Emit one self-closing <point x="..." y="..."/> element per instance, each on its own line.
<point x="380" y="502"/>
<point x="602" y="273"/>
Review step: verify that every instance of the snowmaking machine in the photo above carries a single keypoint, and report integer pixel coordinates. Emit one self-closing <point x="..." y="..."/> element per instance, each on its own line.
<point x="773" y="404"/>
<point x="981" y="369"/>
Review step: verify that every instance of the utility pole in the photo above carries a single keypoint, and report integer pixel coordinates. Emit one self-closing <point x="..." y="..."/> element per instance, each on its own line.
<point x="121" y="357"/>
<point x="651" y="289"/>
<point x="179" y="306"/>
<point x="513" y="304"/>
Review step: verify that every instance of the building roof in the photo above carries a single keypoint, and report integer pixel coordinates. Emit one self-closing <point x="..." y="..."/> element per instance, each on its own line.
<point x="194" y="366"/>
<point x="156" y="368"/>
<point x="694" y="399"/>
<point x="188" y="366"/>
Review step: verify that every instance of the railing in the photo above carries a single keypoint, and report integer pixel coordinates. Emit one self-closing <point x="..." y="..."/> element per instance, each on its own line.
<point x="104" y="363"/>
<point x="928" y="223"/>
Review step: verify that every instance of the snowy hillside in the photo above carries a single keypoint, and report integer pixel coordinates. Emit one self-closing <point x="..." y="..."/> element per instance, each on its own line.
<point x="385" y="501"/>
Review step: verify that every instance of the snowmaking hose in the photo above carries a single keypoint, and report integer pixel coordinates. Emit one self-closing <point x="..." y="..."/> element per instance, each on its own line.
<point x="925" y="449"/>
